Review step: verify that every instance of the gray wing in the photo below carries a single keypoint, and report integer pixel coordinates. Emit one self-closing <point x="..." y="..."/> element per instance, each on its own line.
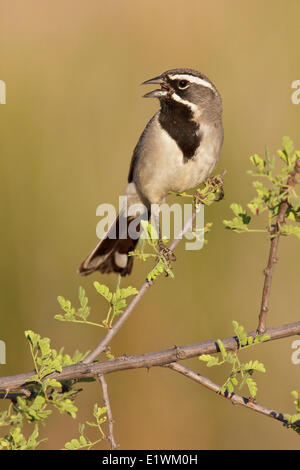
<point x="136" y="152"/>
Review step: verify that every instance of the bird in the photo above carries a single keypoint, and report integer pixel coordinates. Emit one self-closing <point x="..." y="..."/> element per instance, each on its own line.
<point x="178" y="150"/>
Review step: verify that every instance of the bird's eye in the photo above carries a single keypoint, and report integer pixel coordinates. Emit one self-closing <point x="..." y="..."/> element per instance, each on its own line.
<point x="183" y="84"/>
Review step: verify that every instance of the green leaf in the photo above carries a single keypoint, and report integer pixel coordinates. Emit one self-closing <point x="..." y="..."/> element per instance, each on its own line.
<point x="103" y="290"/>
<point x="255" y="365"/>
<point x="210" y="360"/>
<point x="240" y="222"/>
<point x="53" y="383"/>
<point x="261" y="338"/>
<point x="158" y="269"/>
<point x="287" y="145"/>
<point x="297" y="202"/>
<point x="32" y="337"/>
<point x="149" y="231"/>
<point x="252" y="386"/>
<point x="290" y="230"/>
<point x="240" y="333"/>
<point x="230" y="387"/>
<point x="222" y="349"/>
<point x="258" y="162"/>
<point x="83" y="441"/>
<point x="234" y="381"/>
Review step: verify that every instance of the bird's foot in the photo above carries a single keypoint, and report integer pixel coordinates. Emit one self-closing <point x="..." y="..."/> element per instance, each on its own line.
<point x="166" y="253"/>
<point x="217" y="184"/>
<point x="213" y="190"/>
<point x="198" y="197"/>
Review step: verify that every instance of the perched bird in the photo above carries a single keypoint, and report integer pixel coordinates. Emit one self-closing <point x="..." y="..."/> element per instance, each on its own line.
<point x="177" y="151"/>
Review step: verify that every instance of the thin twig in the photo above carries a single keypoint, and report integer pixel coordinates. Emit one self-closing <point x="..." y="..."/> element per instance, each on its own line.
<point x="275" y="233"/>
<point x="158" y="358"/>
<point x="234" y="397"/>
<point x="110" y="419"/>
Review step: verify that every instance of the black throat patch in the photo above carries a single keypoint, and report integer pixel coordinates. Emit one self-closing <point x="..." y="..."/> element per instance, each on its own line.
<point x="177" y="119"/>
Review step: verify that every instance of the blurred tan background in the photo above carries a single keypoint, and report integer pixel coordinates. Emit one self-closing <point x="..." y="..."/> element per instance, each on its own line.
<point x="73" y="115"/>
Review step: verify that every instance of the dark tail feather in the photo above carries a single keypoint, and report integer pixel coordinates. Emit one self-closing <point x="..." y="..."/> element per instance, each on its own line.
<point x="110" y="254"/>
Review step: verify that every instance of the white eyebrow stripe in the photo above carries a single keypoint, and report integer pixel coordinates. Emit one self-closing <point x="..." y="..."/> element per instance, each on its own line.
<point x="193" y="79"/>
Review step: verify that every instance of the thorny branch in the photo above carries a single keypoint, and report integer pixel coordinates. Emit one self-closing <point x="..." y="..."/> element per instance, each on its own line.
<point x="83" y="370"/>
<point x="166" y="358"/>
<point x="110" y="419"/>
<point x="234" y="397"/>
<point x="275" y="233"/>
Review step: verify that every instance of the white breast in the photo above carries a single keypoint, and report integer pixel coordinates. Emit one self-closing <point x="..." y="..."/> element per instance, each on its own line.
<point x="162" y="167"/>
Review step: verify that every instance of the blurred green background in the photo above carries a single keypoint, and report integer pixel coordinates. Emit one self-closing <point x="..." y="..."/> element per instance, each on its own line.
<point x="73" y="115"/>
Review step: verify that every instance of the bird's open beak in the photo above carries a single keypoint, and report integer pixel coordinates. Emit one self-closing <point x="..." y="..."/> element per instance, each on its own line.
<point x="157" y="93"/>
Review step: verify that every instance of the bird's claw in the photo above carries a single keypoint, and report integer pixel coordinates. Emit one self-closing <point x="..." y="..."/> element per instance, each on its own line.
<point x="166" y="253"/>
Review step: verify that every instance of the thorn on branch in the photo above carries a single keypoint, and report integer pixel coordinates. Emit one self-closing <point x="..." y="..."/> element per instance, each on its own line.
<point x="180" y="354"/>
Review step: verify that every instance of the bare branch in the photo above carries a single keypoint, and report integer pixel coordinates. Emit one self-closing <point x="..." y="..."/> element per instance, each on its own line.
<point x="275" y="233"/>
<point x="233" y="397"/>
<point x="110" y="419"/>
<point x="159" y="358"/>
